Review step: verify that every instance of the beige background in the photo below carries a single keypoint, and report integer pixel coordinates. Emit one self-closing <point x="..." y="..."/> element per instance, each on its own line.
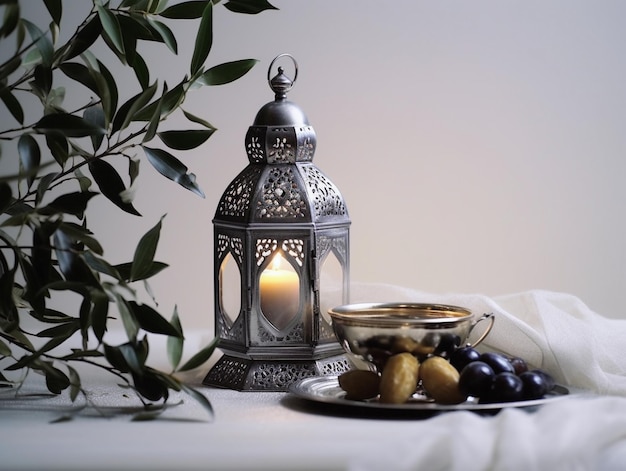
<point x="479" y="145"/>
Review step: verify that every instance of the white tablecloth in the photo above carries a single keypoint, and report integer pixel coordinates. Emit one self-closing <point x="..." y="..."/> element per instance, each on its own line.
<point x="275" y="431"/>
<point x="278" y="431"/>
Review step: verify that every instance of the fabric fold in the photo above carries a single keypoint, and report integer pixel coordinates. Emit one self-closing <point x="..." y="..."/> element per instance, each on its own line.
<point x="562" y="435"/>
<point x="554" y="331"/>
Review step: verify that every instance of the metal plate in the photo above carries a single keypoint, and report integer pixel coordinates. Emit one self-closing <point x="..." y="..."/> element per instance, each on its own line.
<point x="326" y="390"/>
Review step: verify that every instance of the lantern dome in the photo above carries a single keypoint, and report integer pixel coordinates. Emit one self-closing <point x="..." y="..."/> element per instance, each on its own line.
<point x="271" y="188"/>
<point x="281" y="113"/>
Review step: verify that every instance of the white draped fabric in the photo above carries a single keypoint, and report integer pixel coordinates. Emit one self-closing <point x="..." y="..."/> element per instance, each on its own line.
<point x="278" y="431"/>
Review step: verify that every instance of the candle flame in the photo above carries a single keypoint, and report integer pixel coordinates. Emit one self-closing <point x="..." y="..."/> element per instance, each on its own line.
<point x="277" y="262"/>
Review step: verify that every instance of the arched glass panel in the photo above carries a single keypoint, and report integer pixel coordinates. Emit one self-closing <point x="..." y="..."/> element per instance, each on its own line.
<point x="331" y="285"/>
<point x="230" y="288"/>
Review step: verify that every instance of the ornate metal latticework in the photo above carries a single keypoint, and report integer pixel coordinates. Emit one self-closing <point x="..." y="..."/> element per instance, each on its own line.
<point x="281" y="209"/>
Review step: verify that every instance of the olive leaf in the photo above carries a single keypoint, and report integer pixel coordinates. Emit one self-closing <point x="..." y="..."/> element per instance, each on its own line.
<point x="84" y="38"/>
<point x="75" y="384"/>
<point x="169" y="101"/>
<point x="42" y="82"/>
<point x="204" y="39"/>
<point x="44" y="185"/>
<point x="52" y="316"/>
<point x="71" y="264"/>
<point x="115" y="357"/>
<point x="249" y="6"/>
<point x="8" y="309"/>
<point x="144" y="253"/>
<point x="155" y="119"/>
<point x="67" y="125"/>
<point x="58" y="147"/>
<point x="6" y="196"/>
<point x="127" y="111"/>
<point x="79" y="233"/>
<point x="226" y="72"/>
<point x="30" y="156"/>
<point x="185" y="140"/>
<point x="111" y="184"/>
<point x="65" y="329"/>
<point x="107" y="90"/>
<point x="185" y="10"/>
<point x="79" y="73"/>
<point x="102" y="266"/>
<point x="42" y="42"/>
<point x="97" y="81"/>
<point x="169" y="166"/>
<point x="5" y="350"/>
<point x="150" y="385"/>
<point x="11" y="19"/>
<point x="141" y="71"/>
<point x="95" y="115"/>
<point x="111" y="27"/>
<point x="70" y="203"/>
<point x="151" y="321"/>
<point x="12" y="104"/>
<point x="56" y="380"/>
<point x="165" y="34"/>
<point x="131" y="326"/>
<point x="99" y="313"/>
<point x="196" y="119"/>
<point x="200" y="398"/>
<point x="124" y="269"/>
<point x="175" y="343"/>
<point x="9" y="67"/>
<point x="55" y="8"/>
<point x="201" y="357"/>
<point x="132" y="30"/>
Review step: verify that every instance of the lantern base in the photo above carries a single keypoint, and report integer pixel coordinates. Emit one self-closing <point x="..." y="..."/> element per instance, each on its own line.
<point x="245" y="374"/>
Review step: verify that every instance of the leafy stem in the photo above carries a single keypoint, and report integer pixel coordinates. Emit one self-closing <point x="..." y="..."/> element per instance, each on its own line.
<point x="48" y="252"/>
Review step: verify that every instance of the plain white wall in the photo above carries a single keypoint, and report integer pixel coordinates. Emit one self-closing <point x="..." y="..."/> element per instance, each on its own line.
<point x="479" y="145"/>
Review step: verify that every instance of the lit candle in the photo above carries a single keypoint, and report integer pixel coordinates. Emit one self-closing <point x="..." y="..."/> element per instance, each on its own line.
<point x="280" y="293"/>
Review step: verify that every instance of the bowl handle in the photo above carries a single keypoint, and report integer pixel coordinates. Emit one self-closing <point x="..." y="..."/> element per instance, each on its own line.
<point x="487" y="316"/>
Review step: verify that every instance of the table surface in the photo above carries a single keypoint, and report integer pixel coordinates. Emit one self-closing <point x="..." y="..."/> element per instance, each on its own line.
<point x="279" y="431"/>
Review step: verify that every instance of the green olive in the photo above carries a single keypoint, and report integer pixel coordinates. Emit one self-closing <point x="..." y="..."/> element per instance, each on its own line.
<point x="398" y="381"/>
<point x="441" y="380"/>
<point x="360" y="384"/>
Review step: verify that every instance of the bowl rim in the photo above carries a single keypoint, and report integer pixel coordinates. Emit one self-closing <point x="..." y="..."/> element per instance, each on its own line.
<point x="398" y="314"/>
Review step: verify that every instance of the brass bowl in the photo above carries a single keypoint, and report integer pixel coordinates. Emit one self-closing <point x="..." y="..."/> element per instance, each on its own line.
<point x="375" y="331"/>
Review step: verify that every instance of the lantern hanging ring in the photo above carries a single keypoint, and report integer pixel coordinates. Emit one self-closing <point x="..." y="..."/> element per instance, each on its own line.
<point x="280" y="70"/>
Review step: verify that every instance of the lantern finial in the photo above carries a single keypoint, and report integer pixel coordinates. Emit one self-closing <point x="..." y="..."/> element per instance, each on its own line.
<point x="281" y="112"/>
<point x="281" y="84"/>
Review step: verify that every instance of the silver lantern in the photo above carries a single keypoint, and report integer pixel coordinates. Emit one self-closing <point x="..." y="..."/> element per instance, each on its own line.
<point x="281" y="256"/>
